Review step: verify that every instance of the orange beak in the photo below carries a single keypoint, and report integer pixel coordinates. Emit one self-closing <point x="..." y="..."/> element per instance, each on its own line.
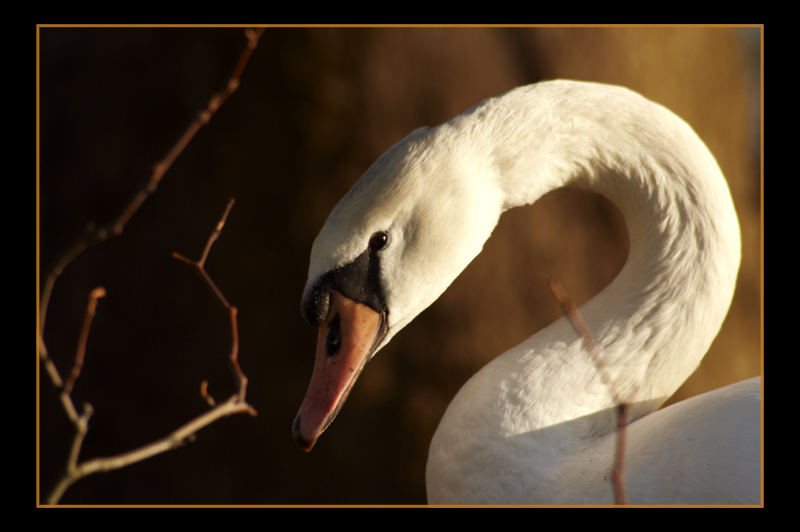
<point x="345" y="341"/>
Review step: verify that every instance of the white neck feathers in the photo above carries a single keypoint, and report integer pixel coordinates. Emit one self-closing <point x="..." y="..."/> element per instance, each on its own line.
<point x="656" y="320"/>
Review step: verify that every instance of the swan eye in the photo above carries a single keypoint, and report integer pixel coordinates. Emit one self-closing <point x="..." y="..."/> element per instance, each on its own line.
<point x="378" y="240"/>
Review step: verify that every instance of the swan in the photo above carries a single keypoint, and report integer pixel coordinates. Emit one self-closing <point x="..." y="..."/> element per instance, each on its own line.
<point x="537" y="424"/>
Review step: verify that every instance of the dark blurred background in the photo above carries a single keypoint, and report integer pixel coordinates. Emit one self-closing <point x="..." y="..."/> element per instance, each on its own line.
<point x="315" y="108"/>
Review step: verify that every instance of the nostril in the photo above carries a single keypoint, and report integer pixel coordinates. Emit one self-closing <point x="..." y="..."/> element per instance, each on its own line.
<point x="334" y="338"/>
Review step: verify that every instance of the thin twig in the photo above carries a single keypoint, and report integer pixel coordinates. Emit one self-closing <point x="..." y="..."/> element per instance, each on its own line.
<point x="618" y="475"/>
<point x="205" y="395"/>
<point x="235" y="353"/>
<point x="95" y="294"/>
<point x="172" y="441"/>
<point x="583" y="331"/>
<point x="233" y="312"/>
<point x="235" y="404"/>
<point x="66" y="388"/>
<point x="199" y="265"/>
<point x="215" y="234"/>
<point x="93" y="236"/>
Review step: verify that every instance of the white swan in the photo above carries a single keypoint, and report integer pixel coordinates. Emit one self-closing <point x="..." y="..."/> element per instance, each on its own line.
<point x="537" y="424"/>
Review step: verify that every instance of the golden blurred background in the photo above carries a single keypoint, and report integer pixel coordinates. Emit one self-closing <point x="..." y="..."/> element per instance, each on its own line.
<point x="316" y="106"/>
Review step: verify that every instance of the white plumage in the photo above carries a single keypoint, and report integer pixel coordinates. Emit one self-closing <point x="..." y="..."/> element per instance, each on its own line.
<point x="537" y="424"/>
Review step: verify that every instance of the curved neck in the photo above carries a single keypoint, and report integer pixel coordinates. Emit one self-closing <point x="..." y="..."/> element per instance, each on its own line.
<point x="656" y="320"/>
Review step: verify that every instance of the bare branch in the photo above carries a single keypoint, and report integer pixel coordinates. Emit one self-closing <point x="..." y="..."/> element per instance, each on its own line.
<point x="96" y="294"/>
<point x="94" y="236"/>
<point x="234" y="405"/>
<point x="55" y="377"/>
<point x="205" y="395"/>
<point x="235" y="353"/>
<point x="583" y="331"/>
<point x="171" y="441"/>
<point x="215" y="234"/>
<point x="199" y="265"/>
<point x="618" y="475"/>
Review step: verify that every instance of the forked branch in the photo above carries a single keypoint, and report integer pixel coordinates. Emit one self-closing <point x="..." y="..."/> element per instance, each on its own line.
<point x="236" y="404"/>
<point x="199" y="265"/>
<point x="92" y="236"/>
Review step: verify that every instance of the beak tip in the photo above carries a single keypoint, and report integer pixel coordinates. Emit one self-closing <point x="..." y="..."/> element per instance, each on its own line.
<point x="301" y="442"/>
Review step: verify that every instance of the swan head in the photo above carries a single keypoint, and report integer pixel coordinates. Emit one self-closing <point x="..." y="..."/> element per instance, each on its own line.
<point x="388" y="249"/>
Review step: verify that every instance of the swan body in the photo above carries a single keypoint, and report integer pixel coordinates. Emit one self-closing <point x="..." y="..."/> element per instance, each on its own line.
<point x="537" y="424"/>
